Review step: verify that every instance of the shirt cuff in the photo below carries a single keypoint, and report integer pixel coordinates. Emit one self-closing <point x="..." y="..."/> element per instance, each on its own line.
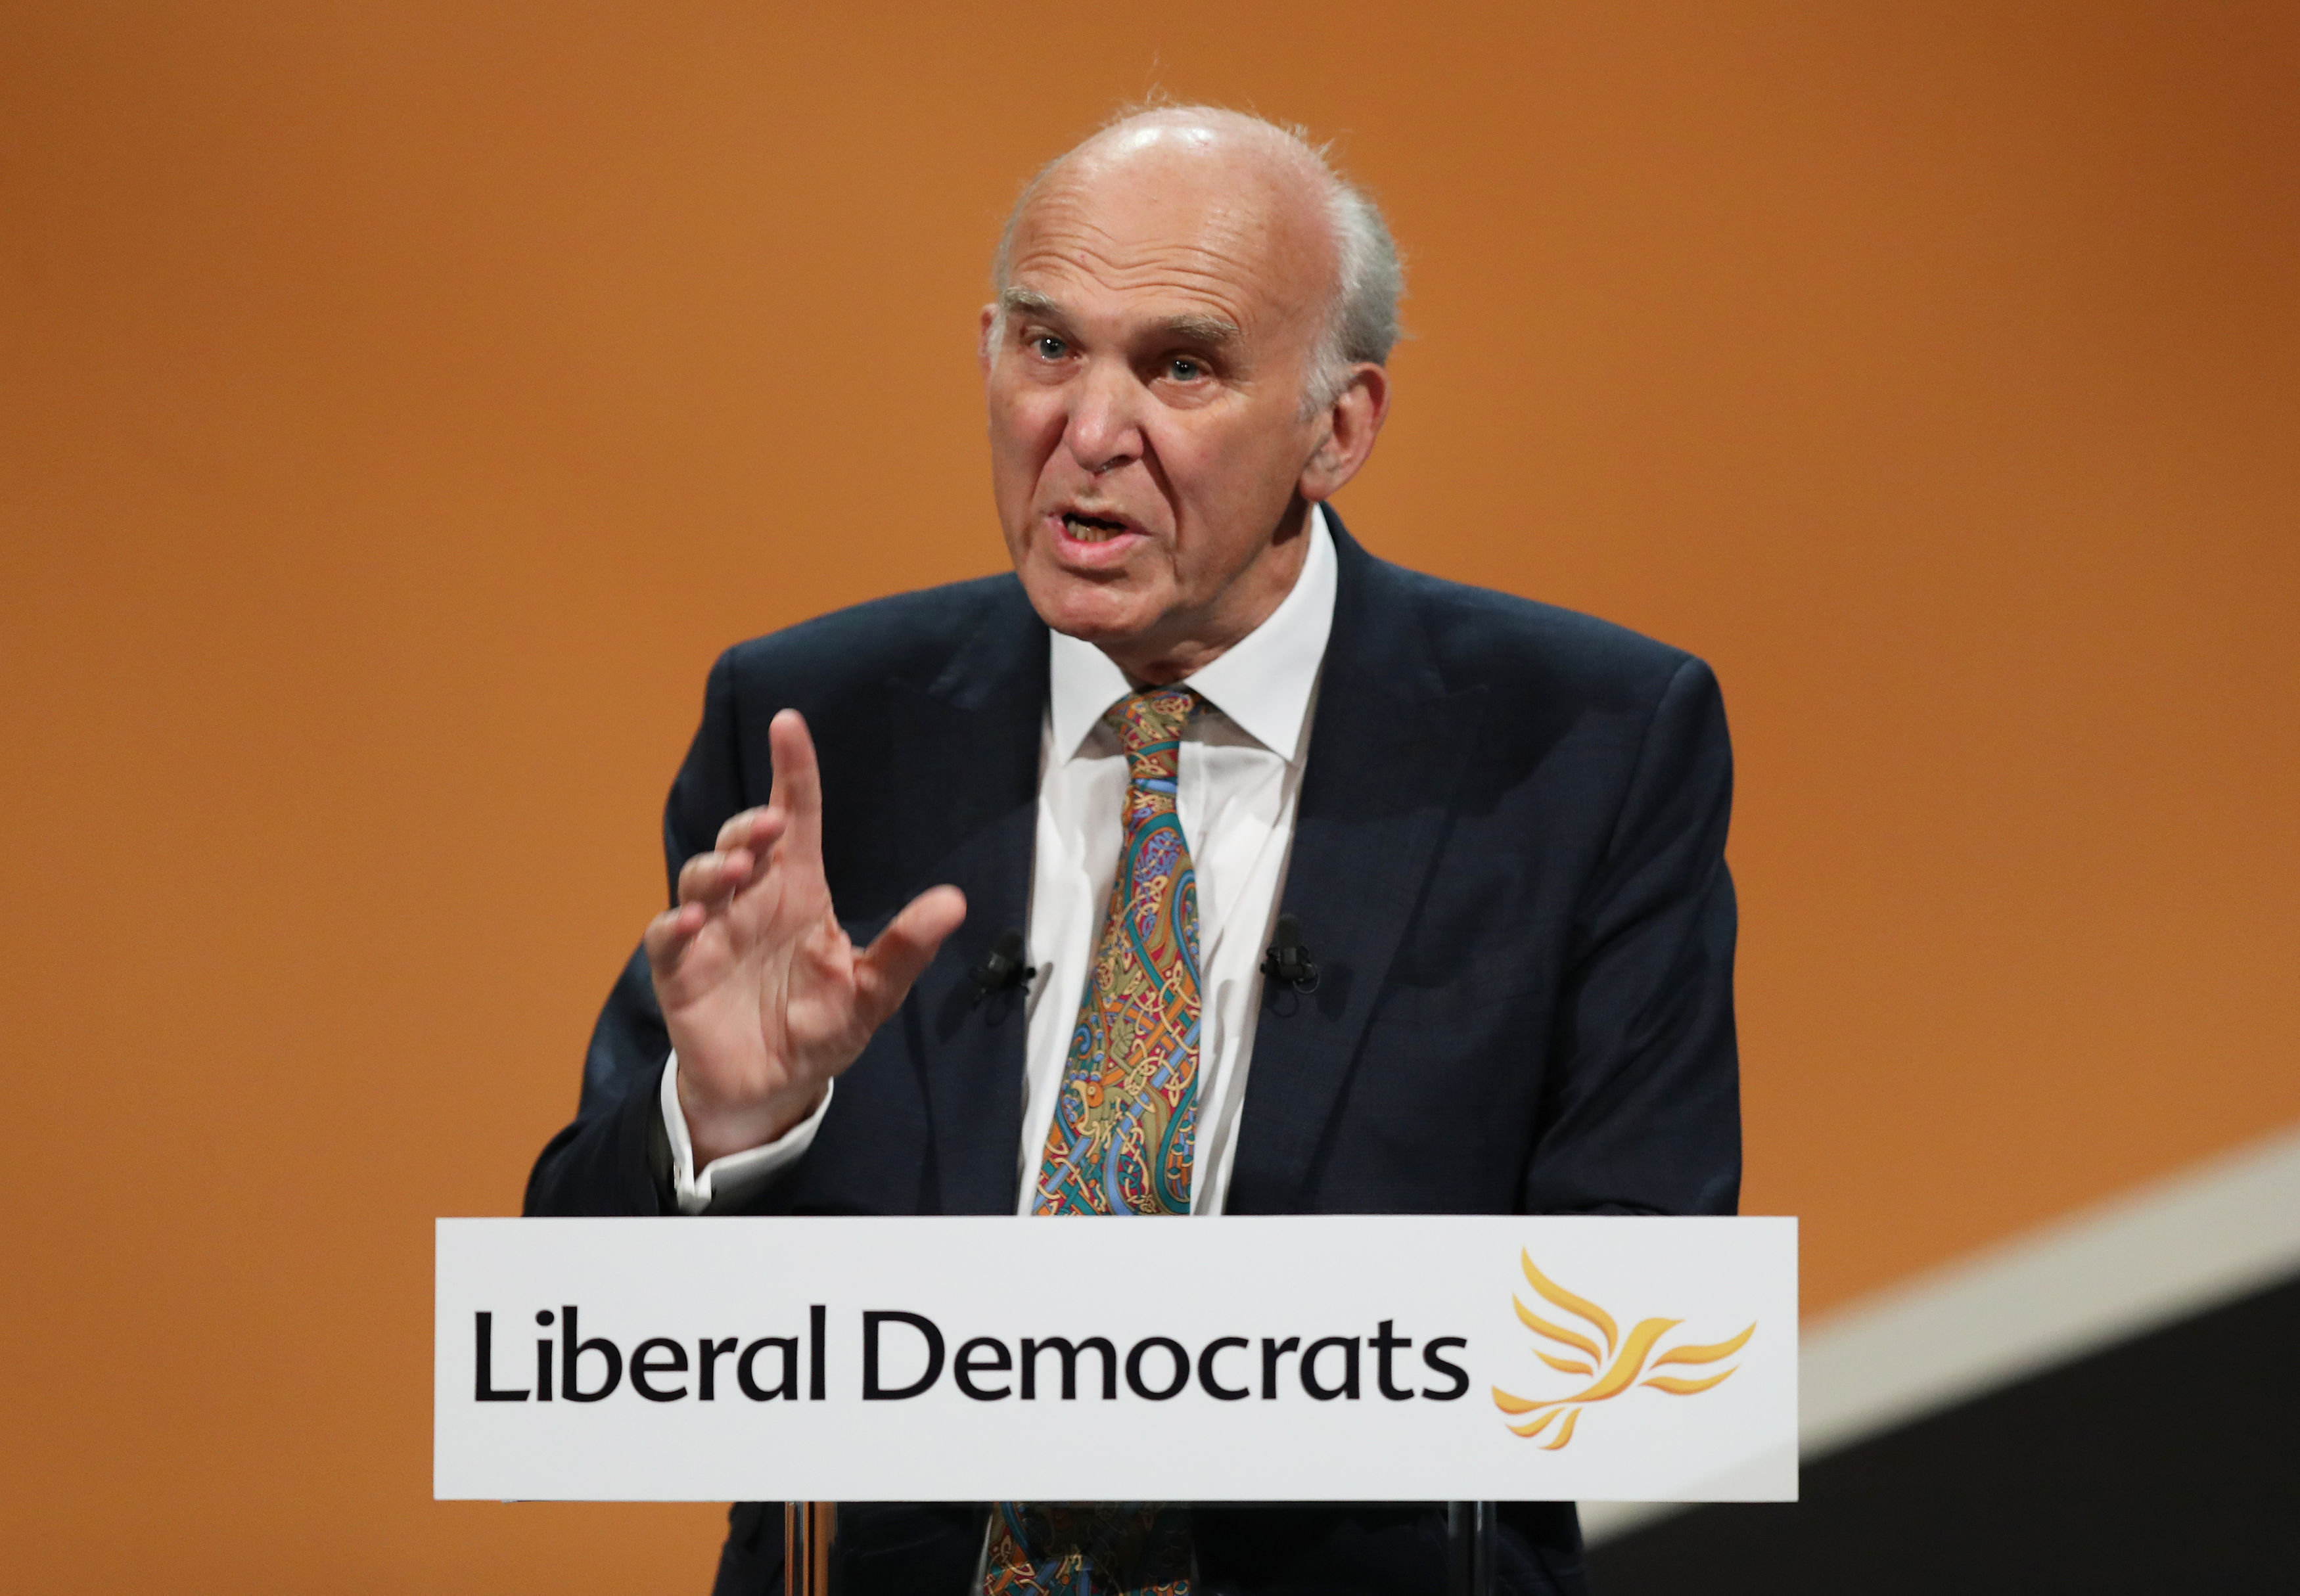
<point x="730" y="1179"/>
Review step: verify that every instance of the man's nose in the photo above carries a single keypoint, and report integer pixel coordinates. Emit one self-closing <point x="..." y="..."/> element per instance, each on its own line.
<point x="1105" y="428"/>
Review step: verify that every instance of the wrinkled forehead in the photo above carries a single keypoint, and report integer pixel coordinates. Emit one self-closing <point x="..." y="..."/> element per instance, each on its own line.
<point x="1178" y="221"/>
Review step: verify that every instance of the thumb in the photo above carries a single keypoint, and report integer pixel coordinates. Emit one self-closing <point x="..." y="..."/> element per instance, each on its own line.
<point x="885" y="969"/>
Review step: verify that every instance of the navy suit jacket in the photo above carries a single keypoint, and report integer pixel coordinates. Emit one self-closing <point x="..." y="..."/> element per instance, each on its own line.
<point x="1508" y="861"/>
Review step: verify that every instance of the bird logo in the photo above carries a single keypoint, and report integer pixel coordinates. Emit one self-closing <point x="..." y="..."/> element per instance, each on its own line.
<point x="1622" y="1359"/>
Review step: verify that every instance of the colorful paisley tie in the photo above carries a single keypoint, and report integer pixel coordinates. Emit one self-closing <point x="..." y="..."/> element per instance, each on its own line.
<point x="1121" y="1140"/>
<point x="1128" y="1113"/>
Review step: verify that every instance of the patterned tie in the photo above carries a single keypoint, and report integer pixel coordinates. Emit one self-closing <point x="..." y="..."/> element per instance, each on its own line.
<point x="1124" y="1124"/>
<point x="1121" y="1143"/>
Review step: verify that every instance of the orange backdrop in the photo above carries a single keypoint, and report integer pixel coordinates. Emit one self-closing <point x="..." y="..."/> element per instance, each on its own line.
<point x="403" y="403"/>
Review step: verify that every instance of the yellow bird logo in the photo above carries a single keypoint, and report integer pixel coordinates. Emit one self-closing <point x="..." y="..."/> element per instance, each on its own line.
<point x="1622" y="1359"/>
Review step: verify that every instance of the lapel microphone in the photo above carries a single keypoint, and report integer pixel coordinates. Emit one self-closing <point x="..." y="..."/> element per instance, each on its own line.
<point x="1004" y="970"/>
<point x="1289" y="963"/>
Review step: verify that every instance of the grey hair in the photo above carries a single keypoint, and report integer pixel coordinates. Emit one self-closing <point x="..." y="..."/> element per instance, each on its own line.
<point x="1362" y="321"/>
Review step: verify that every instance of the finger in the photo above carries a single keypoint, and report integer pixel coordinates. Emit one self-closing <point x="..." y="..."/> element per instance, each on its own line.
<point x="887" y="967"/>
<point x="710" y="878"/>
<point x="670" y="934"/>
<point x="798" y="786"/>
<point x="754" y="829"/>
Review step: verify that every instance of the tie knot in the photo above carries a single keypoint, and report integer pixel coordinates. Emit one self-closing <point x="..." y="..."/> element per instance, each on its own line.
<point x="1144" y="720"/>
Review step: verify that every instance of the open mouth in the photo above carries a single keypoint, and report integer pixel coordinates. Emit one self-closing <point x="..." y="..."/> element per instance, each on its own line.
<point x="1093" y="529"/>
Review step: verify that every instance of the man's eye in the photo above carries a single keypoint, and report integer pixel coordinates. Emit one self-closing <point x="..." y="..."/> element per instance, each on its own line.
<point x="1049" y="347"/>
<point x="1182" y="369"/>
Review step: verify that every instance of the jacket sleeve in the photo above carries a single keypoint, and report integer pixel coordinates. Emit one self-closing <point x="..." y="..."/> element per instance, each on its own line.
<point x="1641" y="1112"/>
<point x="613" y="1158"/>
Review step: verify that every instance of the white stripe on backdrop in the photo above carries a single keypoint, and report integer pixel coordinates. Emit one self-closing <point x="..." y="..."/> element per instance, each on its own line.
<point x="2210" y="1236"/>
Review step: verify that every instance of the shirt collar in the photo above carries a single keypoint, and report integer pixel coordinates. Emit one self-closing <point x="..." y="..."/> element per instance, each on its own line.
<point x="1262" y="682"/>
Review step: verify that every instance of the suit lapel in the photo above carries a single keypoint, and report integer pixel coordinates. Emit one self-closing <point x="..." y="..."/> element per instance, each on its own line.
<point x="966" y="755"/>
<point x="1387" y="748"/>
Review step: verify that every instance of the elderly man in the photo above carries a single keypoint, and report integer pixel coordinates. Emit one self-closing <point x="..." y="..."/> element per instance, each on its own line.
<point x="974" y="886"/>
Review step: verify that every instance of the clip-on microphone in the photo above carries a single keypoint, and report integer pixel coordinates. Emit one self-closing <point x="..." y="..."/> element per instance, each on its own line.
<point x="1289" y="963"/>
<point x="1004" y="970"/>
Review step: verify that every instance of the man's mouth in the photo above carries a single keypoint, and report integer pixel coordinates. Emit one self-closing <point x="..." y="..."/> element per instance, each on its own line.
<point x="1093" y="529"/>
<point x="1088" y="545"/>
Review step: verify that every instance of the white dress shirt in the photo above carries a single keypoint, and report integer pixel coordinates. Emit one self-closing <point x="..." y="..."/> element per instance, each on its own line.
<point x="1239" y="784"/>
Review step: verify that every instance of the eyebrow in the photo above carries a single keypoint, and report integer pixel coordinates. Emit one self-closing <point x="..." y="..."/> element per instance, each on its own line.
<point x="1210" y="330"/>
<point x="1028" y="301"/>
<point x="1202" y="329"/>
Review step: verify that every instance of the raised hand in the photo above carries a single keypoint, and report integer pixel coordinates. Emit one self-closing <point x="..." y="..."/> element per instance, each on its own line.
<point x="765" y="996"/>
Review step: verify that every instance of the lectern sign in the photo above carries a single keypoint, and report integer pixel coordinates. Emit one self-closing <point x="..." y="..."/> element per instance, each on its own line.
<point x="1256" y="1359"/>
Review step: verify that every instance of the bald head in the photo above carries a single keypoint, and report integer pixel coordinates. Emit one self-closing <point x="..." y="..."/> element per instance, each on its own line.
<point x="1258" y="181"/>
<point x="1178" y="365"/>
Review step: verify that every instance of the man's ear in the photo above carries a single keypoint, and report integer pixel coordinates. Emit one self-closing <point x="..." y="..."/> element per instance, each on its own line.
<point x="1348" y="429"/>
<point x="982" y="350"/>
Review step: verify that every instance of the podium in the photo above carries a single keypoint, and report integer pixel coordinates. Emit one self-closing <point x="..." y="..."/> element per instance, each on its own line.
<point x="1462" y="1359"/>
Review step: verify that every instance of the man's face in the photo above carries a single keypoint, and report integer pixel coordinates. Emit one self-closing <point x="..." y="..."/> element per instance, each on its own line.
<point x="1145" y="381"/>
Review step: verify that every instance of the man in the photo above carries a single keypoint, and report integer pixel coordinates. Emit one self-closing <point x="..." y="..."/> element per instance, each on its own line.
<point x="1497" y="828"/>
